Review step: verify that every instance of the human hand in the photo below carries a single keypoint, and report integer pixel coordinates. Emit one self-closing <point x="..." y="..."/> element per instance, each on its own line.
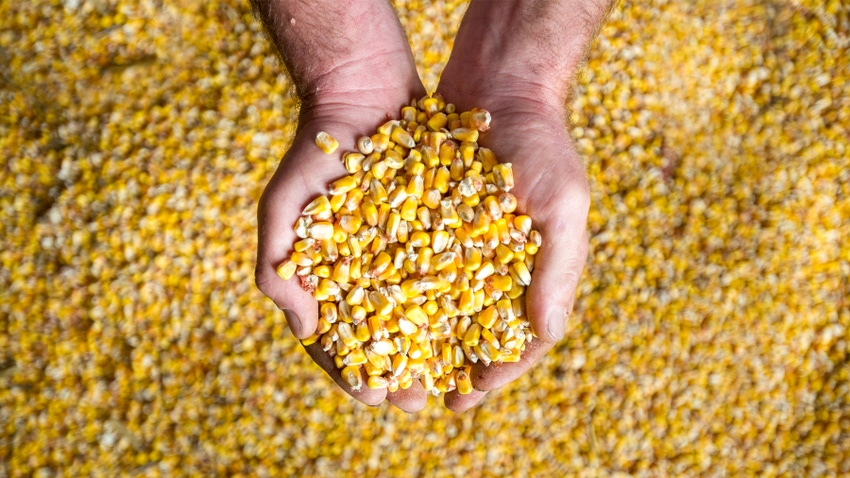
<point x="346" y="92"/>
<point x="497" y="64"/>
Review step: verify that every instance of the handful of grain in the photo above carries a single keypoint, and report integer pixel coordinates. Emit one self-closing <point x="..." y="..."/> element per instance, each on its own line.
<point x="417" y="258"/>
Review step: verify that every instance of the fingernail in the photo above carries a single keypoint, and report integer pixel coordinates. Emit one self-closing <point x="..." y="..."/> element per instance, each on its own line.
<point x="556" y="323"/>
<point x="293" y="321"/>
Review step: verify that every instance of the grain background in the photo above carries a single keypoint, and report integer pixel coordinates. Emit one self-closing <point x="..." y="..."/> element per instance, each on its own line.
<point x="711" y="332"/>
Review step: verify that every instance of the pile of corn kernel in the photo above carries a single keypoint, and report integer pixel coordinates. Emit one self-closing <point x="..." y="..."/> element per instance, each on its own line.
<point x="709" y="336"/>
<point x="416" y="257"/>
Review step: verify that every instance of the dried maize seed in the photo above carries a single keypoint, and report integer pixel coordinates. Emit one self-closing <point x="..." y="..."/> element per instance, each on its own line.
<point x="326" y="142"/>
<point x="286" y="269"/>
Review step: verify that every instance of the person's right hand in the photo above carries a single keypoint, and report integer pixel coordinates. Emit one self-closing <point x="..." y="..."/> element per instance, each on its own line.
<point x="347" y="100"/>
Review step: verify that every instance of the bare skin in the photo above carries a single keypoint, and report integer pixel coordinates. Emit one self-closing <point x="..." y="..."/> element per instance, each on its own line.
<point x="515" y="58"/>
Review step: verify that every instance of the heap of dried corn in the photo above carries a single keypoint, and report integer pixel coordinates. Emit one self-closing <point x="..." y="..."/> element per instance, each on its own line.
<point x="417" y="258"/>
<point x="711" y="332"/>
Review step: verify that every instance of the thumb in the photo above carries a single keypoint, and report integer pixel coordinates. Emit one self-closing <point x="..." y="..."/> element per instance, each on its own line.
<point x="558" y="267"/>
<point x="304" y="173"/>
<point x="275" y="246"/>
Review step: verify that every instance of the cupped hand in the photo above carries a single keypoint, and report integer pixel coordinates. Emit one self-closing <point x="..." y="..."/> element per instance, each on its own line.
<point x="304" y="173"/>
<point x="528" y="129"/>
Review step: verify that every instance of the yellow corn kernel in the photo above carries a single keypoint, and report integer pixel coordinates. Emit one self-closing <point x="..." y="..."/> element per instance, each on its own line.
<point x="406" y="326"/>
<point x="312" y="339"/>
<point x="463" y="381"/>
<point x="472" y="335"/>
<point x="487" y="317"/>
<point x="286" y="269"/>
<point x="503" y="176"/>
<point x="321" y="231"/>
<point x="408" y="113"/>
<point x="503" y="231"/>
<point x="479" y="119"/>
<point x="481" y="222"/>
<point x="449" y="214"/>
<point x="342" y="185"/>
<point x="408" y="209"/>
<point x="328" y="248"/>
<point x="431" y="198"/>
<point x="322" y="271"/>
<point x="447" y="152"/>
<point x="491" y="206"/>
<point x="501" y="282"/>
<point x="416" y="315"/>
<point x="523" y="224"/>
<point x="465" y="134"/>
<point x="346" y="334"/>
<point x="504" y="254"/>
<point x="381" y="262"/>
<point x="522" y="273"/>
<point x="323" y="326"/>
<point x="380" y="142"/>
<point x="491" y="339"/>
<point x="393" y="222"/>
<point x="419" y="239"/>
<point x="487" y="158"/>
<point x="353" y="377"/>
<point x="402" y="137"/>
<point x="319" y="205"/>
<point x="399" y="364"/>
<point x="355" y="357"/>
<point x="352" y="200"/>
<point x="424" y="218"/>
<point x="387" y="127"/>
<point x="304" y="244"/>
<point x="355" y="296"/>
<point x="491" y="237"/>
<point x="439" y="241"/>
<point x="466" y="304"/>
<point x="443" y="260"/>
<point x="327" y="288"/>
<point x="376" y="382"/>
<point x="382" y="305"/>
<point x="301" y="259"/>
<point x="394" y="160"/>
<point x="369" y="212"/>
<point x="437" y="121"/>
<point x="326" y="142"/>
<point x="507" y="202"/>
<point x="423" y="262"/>
<point x="429" y="158"/>
<point x="431" y="106"/>
<point x="415" y="186"/>
<point x="467" y="153"/>
<point x="465" y="212"/>
<point x="350" y="224"/>
<point x="457" y="356"/>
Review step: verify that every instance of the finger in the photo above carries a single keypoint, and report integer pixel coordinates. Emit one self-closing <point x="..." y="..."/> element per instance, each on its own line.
<point x="366" y="395"/>
<point x="459" y="403"/>
<point x="411" y="399"/>
<point x="304" y="174"/>
<point x="495" y="375"/>
<point x="298" y="304"/>
<point x="558" y="266"/>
